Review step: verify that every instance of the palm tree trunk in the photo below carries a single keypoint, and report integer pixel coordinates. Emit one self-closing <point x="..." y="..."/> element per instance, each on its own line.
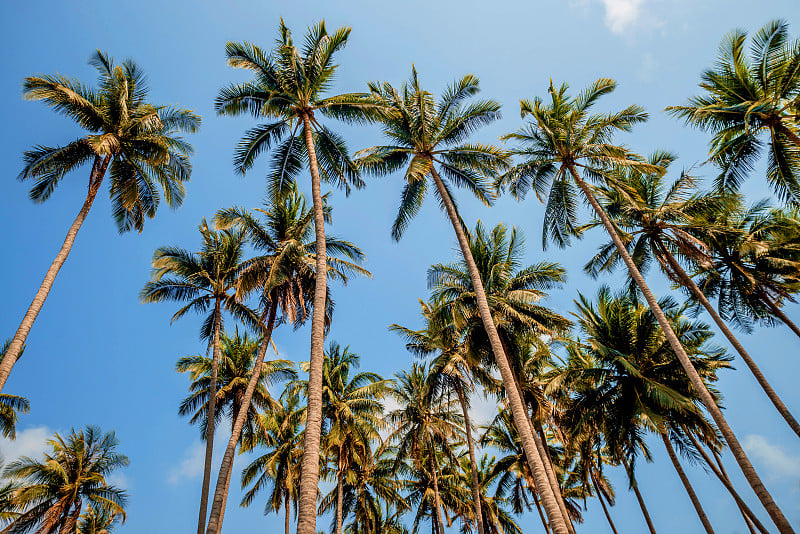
<point x="686" y="484"/>
<point x="473" y="465"/>
<point x="687" y="282"/>
<point x="288" y="524"/>
<point x="541" y="444"/>
<point x="215" y="520"/>
<point x="212" y="406"/>
<point x="436" y="502"/>
<point x="733" y="443"/>
<point x="778" y="312"/>
<point x="603" y="504"/>
<point x="237" y="405"/>
<point x="309" y="471"/>
<point x="14" y="349"/>
<point x="517" y="407"/>
<point x="635" y="487"/>
<point x="541" y="514"/>
<point x="747" y="513"/>
<point x="339" y="493"/>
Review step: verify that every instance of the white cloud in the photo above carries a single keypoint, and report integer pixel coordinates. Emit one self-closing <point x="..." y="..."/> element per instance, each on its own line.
<point x="191" y="466"/>
<point x="30" y="442"/>
<point x="621" y="14"/>
<point x="778" y="463"/>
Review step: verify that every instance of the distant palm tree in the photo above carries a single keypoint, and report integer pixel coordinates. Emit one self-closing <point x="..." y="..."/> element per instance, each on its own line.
<point x="206" y="282"/>
<point x="666" y="222"/>
<point x="135" y="141"/>
<point x="97" y="521"/>
<point x="51" y="493"/>
<point x="424" y="426"/>
<point x="289" y="86"/>
<point x="285" y="275"/>
<point x="11" y="405"/>
<point x="280" y="431"/>
<point x="563" y="138"/>
<point x="745" y="100"/>
<point x="496" y="518"/>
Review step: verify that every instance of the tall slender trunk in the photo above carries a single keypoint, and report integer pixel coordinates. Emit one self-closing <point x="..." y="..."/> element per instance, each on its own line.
<point x="237" y="405"/>
<point x="14" y="349"/>
<point x="720" y="473"/>
<point x="603" y="504"/>
<point x="339" y="493"/>
<point x="473" y="465"/>
<point x="212" y="406"/>
<point x="517" y="407"/>
<point x="309" y="471"/>
<point x="687" y="282"/>
<point x="733" y="443"/>
<point x="436" y="502"/>
<point x="686" y="484"/>
<point x="541" y="444"/>
<point x="778" y="312"/>
<point x="635" y="487"/>
<point x="288" y="524"/>
<point x="541" y="514"/>
<point x="215" y="520"/>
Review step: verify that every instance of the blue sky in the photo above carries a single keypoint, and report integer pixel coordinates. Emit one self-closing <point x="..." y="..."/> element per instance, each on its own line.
<point x="98" y="356"/>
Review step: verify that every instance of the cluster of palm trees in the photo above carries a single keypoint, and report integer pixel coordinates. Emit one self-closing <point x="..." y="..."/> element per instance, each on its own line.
<point x="576" y="396"/>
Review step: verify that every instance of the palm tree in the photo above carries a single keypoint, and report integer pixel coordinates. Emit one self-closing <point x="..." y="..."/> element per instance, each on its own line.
<point x="52" y="492"/>
<point x="352" y="414"/>
<point x="280" y="431"/>
<point x="133" y="140"/>
<point x="514" y="294"/>
<point x="631" y="383"/>
<point x="745" y="100"/>
<point x="289" y="86"/>
<point x="285" y="274"/>
<point x="423" y="428"/>
<point x="426" y="134"/>
<point x="206" y="282"/>
<point x="564" y="137"/>
<point x="496" y="519"/>
<point x="659" y="221"/>
<point x="97" y="521"/>
<point x="11" y="405"/>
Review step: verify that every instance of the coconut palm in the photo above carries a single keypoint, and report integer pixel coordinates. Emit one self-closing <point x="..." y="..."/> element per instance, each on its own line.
<point x="290" y="86"/>
<point x="51" y="493"/>
<point x="97" y="522"/>
<point x="206" y="282"/>
<point x="285" y="275"/>
<point x="660" y="221"/>
<point x="280" y="431"/>
<point x="453" y="368"/>
<point x="11" y="405"/>
<point x="746" y="100"/>
<point x="424" y="427"/>
<point x="427" y="135"/>
<point x="135" y="142"/>
<point x="562" y="138"/>
<point x="632" y="384"/>
<point x="496" y="519"/>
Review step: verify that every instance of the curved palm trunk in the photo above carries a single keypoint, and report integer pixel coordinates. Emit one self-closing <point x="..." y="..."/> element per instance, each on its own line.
<point x="687" y="282"/>
<point x="639" y="498"/>
<point x="288" y="524"/>
<point x="309" y="471"/>
<point x="436" y="502"/>
<point x="778" y="312"/>
<point x="517" y="407"/>
<point x="339" y="493"/>
<point x="212" y="406"/>
<point x="473" y="465"/>
<point x="749" y="517"/>
<point x="603" y="503"/>
<point x="733" y="443"/>
<point x="215" y="519"/>
<point x="686" y="484"/>
<point x="541" y="514"/>
<point x="14" y="349"/>
<point x="237" y="406"/>
<point x="541" y="444"/>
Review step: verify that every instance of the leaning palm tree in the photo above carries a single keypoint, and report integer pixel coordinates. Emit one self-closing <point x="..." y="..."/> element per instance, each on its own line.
<point x="430" y="137"/>
<point x="746" y="100"/>
<point x="134" y="141"/>
<point x="279" y="430"/>
<point x="10" y="406"/>
<point x="563" y="138"/>
<point x="659" y="222"/>
<point x="284" y="274"/>
<point x="206" y="282"/>
<point x="289" y="86"/>
<point x="51" y="493"/>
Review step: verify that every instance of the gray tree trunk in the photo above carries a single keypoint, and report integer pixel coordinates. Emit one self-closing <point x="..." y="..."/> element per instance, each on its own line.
<point x="687" y="485"/>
